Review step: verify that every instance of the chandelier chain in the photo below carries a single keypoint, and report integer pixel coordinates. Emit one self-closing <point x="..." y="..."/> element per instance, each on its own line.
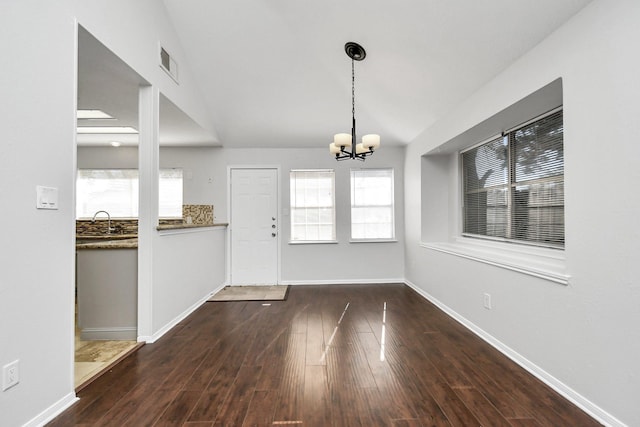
<point x="353" y="89"/>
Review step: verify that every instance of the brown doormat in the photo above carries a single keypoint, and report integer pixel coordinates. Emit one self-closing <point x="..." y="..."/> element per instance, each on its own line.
<point x="252" y="293"/>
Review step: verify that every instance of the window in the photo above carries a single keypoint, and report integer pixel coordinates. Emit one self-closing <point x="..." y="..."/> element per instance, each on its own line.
<point x="372" y="204"/>
<point x="312" y="205"/>
<point x="514" y="185"/>
<point x="116" y="191"/>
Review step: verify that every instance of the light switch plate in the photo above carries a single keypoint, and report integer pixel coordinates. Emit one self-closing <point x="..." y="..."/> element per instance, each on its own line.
<point x="46" y="197"/>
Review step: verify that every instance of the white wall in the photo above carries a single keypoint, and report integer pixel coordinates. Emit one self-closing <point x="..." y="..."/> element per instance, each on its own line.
<point x="188" y="266"/>
<point x="36" y="287"/>
<point x="582" y="337"/>
<point x="38" y="148"/>
<point x="194" y="161"/>
<point x="302" y="264"/>
<point x="196" y="164"/>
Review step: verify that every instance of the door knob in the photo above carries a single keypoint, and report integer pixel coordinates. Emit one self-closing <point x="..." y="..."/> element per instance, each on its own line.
<point x="273" y="226"/>
<point x="273" y="234"/>
<point x="273" y="218"/>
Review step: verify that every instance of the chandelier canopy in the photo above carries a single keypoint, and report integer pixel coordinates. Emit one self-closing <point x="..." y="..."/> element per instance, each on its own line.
<point x="344" y="145"/>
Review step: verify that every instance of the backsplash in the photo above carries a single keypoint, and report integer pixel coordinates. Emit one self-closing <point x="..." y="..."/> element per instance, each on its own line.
<point x="85" y="227"/>
<point x="198" y="214"/>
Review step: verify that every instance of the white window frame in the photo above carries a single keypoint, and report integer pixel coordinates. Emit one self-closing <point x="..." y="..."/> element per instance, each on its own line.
<point x="354" y="204"/>
<point x="294" y="204"/>
<point x="131" y="174"/>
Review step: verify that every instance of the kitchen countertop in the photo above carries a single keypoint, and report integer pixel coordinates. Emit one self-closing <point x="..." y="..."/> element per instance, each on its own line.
<point x="128" y="241"/>
<point x="179" y="226"/>
<point x="106" y="243"/>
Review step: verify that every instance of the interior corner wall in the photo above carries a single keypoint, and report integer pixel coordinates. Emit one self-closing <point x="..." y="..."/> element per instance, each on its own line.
<point x="583" y="336"/>
<point x="37" y="107"/>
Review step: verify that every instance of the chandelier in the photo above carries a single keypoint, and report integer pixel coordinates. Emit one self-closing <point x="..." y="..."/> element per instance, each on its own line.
<point x="344" y="145"/>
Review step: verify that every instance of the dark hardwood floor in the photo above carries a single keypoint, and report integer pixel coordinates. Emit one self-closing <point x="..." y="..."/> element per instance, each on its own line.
<point x="343" y="355"/>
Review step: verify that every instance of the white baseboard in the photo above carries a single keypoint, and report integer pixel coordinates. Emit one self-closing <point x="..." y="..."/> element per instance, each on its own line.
<point x="342" y="282"/>
<point x="166" y="328"/>
<point x="111" y="334"/>
<point x="52" y="411"/>
<point x="567" y="392"/>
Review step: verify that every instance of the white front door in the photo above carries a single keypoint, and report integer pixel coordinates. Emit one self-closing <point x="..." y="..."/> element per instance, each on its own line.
<point x="254" y="227"/>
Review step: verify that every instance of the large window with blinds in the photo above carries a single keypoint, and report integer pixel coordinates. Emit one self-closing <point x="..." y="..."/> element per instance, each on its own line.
<point x="312" y="197"/>
<point x="514" y="185"/>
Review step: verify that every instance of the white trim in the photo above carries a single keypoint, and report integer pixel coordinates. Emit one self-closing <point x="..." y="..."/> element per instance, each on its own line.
<point x="567" y="392"/>
<point x="166" y="328"/>
<point x="342" y="282"/>
<point x="535" y="119"/>
<point x="373" y="240"/>
<point x="538" y="262"/>
<point x="113" y="334"/>
<point x="312" y="242"/>
<point x="186" y="230"/>
<point x="52" y="411"/>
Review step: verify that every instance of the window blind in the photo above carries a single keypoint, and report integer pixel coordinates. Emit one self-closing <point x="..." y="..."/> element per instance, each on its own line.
<point x="514" y="184"/>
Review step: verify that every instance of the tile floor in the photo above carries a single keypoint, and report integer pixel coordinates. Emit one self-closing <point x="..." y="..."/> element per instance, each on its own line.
<point x="251" y="293"/>
<point x="91" y="357"/>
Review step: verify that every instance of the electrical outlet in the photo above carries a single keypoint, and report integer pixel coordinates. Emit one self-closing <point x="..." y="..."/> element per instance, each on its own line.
<point x="487" y="301"/>
<point x="10" y="375"/>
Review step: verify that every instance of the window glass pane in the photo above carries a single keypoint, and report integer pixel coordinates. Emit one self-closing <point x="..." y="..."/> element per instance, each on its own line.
<point x="372" y="204"/>
<point x="312" y="205"/>
<point x="116" y="191"/>
<point x="170" y="193"/>
<point x="538" y="149"/>
<point x="112" y="190"/>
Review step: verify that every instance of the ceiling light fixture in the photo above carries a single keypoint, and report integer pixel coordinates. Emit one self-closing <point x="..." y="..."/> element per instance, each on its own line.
<point x="344" y="146"/>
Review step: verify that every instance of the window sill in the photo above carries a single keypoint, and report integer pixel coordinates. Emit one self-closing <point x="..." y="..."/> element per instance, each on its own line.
<point x="373" y="241"/>
<point x="313" y="242"/>
<point x="547" y="264"/>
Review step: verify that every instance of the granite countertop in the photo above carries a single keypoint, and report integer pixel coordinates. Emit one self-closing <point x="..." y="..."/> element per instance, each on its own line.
<point x="179" y="226"/>
<point x="106" y="243"/>
<point x="128" y="241"/>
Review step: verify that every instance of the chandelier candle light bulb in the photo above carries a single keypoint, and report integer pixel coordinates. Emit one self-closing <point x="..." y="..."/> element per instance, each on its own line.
<point x="371" y="141"/>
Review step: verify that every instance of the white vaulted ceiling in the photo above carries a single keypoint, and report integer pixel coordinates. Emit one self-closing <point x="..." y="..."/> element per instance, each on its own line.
<point x="274" y="73"/>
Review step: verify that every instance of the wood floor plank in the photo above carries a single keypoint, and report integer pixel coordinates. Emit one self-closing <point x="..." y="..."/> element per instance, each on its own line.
<point x="499" y="397"/>
<point x="234" y="409"/>
<point x="388" y="358"/>
<point x="179" y="409"/>
<point x="291" y="390"/>
<point x="261" y="408"/>
<point x="315" y="346"/>
<point x="481" y="408"/>
<point x="317" y="400"/>
<point x="406" y="423"/>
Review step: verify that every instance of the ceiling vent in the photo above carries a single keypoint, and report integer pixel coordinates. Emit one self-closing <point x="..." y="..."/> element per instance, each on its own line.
<point x="168" y="64"/>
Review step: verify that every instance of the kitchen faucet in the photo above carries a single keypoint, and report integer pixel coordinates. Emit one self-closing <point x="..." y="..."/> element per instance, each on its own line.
<point x="109" y="229"/>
